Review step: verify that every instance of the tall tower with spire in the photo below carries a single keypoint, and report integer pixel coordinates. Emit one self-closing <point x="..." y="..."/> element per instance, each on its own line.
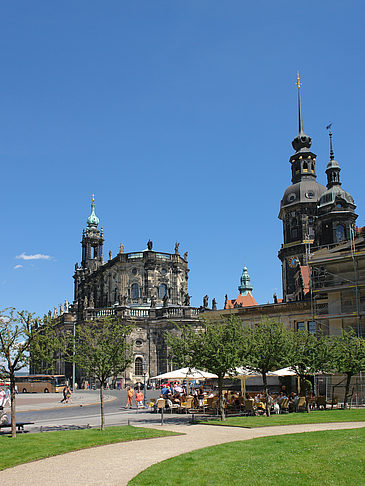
<point x="336" y="207"/>
<point x="298" y="207"/>
<point x="92" y="241"/>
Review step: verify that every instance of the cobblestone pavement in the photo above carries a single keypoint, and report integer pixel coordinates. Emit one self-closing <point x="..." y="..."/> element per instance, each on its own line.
<point x="116" y="464"/>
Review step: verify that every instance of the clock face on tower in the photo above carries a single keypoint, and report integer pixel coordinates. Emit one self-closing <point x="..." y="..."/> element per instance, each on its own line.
<point x="293" y="262"/>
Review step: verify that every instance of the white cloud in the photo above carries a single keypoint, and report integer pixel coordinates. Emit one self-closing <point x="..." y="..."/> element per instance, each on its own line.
<point x="18" y="266"/>
<point x="37" y="256"/>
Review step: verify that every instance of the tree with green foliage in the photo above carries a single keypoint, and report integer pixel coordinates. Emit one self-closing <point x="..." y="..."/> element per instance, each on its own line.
<point x="21" y="334"/>
<point x="265" y="348"/>
<point x="212" y="347"/>
<point x="347" y="355"/>
<point x="102" y="351"/>
<point x="307" y="354"/>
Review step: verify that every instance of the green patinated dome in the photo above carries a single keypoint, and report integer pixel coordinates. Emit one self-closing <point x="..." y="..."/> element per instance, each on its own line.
<point x="245" y="287"/>
<point x="92" y="220"/>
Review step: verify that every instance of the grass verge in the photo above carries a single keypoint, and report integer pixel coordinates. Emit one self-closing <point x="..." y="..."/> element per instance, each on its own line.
<point x="31" y="447"/>
<point x="328" y="458"/>
<point x="315" y="417"/>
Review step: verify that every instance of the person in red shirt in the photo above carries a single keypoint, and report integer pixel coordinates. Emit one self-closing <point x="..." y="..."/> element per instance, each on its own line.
<point x="139" y="399"/>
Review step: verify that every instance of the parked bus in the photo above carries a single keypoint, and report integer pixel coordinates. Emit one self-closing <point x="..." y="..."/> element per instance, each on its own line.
<point x="40" y="383"/>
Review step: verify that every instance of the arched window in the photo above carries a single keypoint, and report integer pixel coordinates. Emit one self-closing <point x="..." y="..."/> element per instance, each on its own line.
<point x="305" y="166"/>
<point x="138" y="366"/>
<point x="163" y="290"/>
<point x="135" y="291"/>
<point x="340" y="232"/>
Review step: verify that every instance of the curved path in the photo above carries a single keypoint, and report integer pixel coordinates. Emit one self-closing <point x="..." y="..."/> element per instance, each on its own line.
<point x="116" y="464"/>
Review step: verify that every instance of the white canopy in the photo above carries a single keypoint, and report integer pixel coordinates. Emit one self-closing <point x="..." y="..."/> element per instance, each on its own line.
<point x="283" y="372"/>
<point x="185" y="374"/>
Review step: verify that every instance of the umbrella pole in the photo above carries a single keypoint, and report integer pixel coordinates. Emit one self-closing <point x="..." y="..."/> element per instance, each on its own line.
<point x="298" y="378"/>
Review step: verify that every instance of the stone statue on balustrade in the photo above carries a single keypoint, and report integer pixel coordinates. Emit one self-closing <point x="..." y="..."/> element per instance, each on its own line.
<point x="153" y="301"/>
<point x="177" y="248"/>
<point x="205" y="301"/>
<point x="187" y="299"/>
<point x="55" y="312"/>
<point x="165" y="300"/>
<point x="214" y="304"/>
<point x="67" y="306"/>
<point x="121" y="248"/>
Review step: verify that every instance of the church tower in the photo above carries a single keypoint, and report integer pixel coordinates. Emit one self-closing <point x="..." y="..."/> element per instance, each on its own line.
<point x="298" y="208"/>
<point x="336" y="207"/>
<point x="92" y="242"/>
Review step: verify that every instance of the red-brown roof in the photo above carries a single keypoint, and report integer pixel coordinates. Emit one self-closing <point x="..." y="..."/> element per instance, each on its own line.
<point x="241" y="301"/>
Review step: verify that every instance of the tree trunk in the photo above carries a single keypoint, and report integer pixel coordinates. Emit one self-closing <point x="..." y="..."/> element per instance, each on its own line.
<point x="267" y="406"/>
<point x="102" y="405"/>
<point x="12" y="401"/>
<point x="304" y="381"/>
<point x="220" y="397"/>
<point x="348" y="381"/>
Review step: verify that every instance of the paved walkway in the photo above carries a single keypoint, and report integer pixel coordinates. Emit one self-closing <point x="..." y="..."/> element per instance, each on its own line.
<point x="29" y="402"/>
<point x="116" y="464"/>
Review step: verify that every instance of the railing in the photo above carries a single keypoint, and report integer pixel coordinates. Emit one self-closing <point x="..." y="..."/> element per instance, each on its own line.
<point x="146" y="313"/>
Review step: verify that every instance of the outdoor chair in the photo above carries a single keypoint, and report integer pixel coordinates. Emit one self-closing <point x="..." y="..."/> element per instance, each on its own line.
<point x="301" y="405"/>
<point x="187" y="405"/>
<point x="321" y="403"/>
<point x="333" y="402"/>
<point x="249" y="407"/>
<point x="284" y="406"/>
<point x="161" y="402"/>
<point x="151" y="404"/>
<point x="172" y="406"/>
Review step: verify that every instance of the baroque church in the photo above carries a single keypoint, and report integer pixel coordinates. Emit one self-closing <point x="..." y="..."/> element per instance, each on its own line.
<point x="150" y="288"/>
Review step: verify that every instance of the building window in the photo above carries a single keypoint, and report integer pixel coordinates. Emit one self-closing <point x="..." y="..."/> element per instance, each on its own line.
<point x="138" y="367"/>
<point x="163" y="290"/>
<point x="340" y="232"/>
<point x="312" y="328"/>
<point x="294" y="233"/>
<point x="301" y="326"/>
<point x="134" y="291"/>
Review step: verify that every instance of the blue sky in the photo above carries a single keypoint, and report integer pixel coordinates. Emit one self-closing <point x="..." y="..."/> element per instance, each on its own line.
<point x="179" y="116"/>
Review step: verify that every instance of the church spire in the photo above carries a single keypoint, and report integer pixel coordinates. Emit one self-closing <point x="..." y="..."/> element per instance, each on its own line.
<point x="92" y="220"/>
<point x="301" y="142"/>
<point x="333" y="167"/>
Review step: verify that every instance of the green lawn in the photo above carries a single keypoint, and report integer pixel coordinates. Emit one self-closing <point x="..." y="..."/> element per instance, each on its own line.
<point x="313" y="458"/>
<point x="29" y="447"/>
<point x="315" y="417"/>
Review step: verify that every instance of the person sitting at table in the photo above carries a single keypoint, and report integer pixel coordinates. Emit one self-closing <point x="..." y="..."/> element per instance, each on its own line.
<point x="259" y="404"/>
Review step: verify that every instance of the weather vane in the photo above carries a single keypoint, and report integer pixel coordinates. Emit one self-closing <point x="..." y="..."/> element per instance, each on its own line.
<point x="299" y="84"/>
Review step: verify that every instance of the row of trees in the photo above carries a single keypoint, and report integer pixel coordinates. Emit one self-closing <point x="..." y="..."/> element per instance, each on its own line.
<point x="223" y="345"/>
<point x="100" y="348"/>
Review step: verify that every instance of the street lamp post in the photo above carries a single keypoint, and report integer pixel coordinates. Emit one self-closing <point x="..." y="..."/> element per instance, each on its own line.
<point x="144" y="382"/>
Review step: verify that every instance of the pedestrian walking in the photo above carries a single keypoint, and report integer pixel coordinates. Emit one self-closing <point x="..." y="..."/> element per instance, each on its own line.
<point x="64" y="394"/>
<point x="130" y="394"/>
<point x="68" y="395"/>
<point x="7" y="397"/>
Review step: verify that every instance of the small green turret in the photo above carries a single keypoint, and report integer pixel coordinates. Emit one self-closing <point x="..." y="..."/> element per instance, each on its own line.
<point x="245" y="288"/>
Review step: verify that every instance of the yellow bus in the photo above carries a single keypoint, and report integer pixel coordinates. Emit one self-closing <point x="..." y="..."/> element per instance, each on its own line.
<point x="40" y="383"/>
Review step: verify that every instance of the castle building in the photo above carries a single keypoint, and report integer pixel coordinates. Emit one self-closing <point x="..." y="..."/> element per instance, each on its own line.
<point x="312" y="216"/>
